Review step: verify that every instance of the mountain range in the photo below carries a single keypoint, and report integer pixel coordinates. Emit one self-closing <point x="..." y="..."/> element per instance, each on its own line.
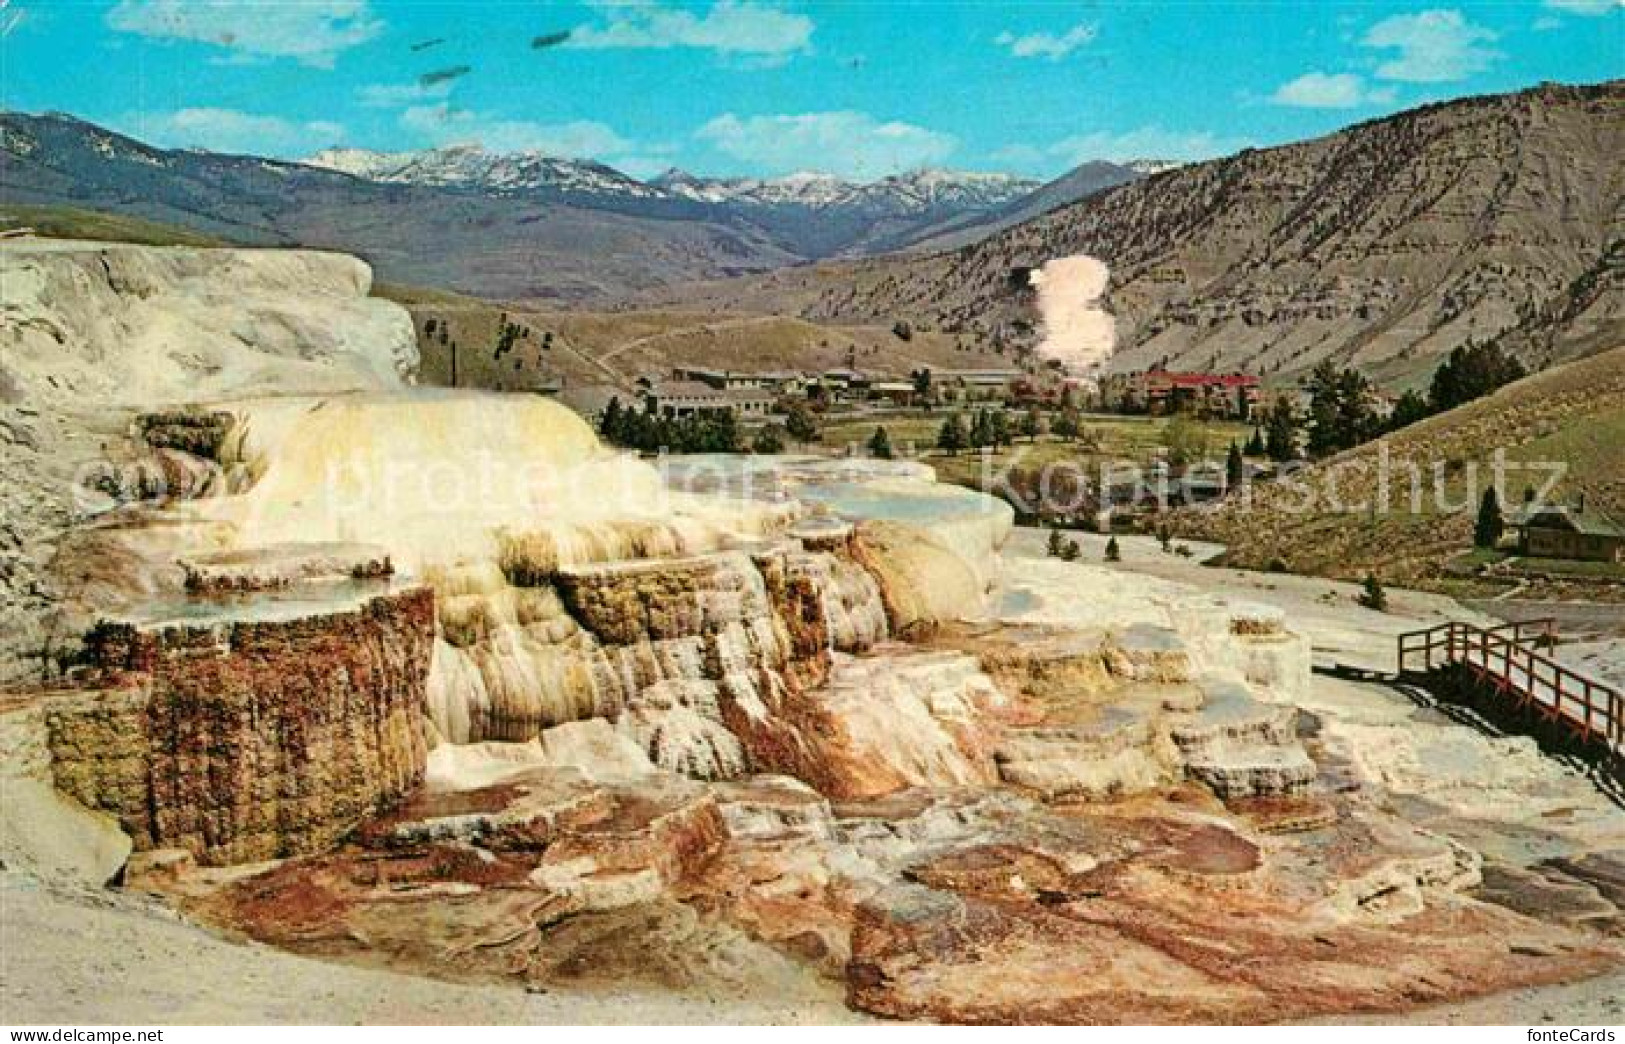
<point x="509" y="225"/>
<point x="1382" y="246"/>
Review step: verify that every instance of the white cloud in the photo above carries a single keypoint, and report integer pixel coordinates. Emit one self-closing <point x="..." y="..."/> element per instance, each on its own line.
<point x="1047" y="45"/>
<point x="729" y="27"/>
<point x="395" y="95"/>
<point x="1588" y="8"/>
<point x="1148" y="142"/>
<point x="312" y="31"/>
<point x="1434" y="47"/>
<point x="1318" y="90"/>
<point x="443" y="124"/>
<point x="233" y="131"/>
<point x="849" y="144"/>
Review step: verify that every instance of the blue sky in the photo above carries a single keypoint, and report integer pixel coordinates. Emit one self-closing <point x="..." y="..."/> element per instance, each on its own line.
<point x="860" y="89"/>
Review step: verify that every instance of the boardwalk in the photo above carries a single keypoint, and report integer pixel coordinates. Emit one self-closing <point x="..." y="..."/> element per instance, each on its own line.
<point x="1509" y="659"/>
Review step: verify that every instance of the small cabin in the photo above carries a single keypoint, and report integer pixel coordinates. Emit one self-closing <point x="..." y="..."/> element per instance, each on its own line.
<point x="1561" y="531"/>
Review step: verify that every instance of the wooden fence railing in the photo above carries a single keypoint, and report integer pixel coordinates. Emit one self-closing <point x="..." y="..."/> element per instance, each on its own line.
<point x="1509" y="659"/>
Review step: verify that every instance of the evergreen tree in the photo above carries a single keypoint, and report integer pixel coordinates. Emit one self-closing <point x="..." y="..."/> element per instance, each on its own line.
<point x="1071" y="552"/>
<point x="1067" y="426"/>
<point x="1113" y="552"/>
<point x="1340" y="411"/>
<point x="981" y="430"/>
<point x="1255" y="445"/>
<point x="1408" y="409"/>
<point x="769" y="440"/>
<point x="952" y="438"/>
<point x="610" y="425"/>
<point x="1235" y="468"/>
<point x="880" y="445"/>
<point x="1053" y="548"/>
<point x="1031" y="424"/>
<point x="922" y="386"/>
<point x="1490" y="525"/>
<point x="999" y="428"/>
<point x="1374" y="597"/>
<point x="1472" y="371"/>
<point x="1281" y="431"/>
<point x="721" y="435"/>
<point x="800" y="424"/>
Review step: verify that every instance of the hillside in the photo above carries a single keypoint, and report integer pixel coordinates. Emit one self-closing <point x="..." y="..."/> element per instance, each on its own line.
<point x="500" y="224"/>
<point x="1078" y="183"/>
<point x="615" y="348"/>
<point x="1383" y="246"/>
<point x="75" y="223"/>
<point x="1572" y="415"/>
<point x="501" y="245"/>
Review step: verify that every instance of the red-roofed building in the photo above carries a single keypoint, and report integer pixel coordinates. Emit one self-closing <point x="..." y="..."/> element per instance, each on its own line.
<point x="1233" y="395"/>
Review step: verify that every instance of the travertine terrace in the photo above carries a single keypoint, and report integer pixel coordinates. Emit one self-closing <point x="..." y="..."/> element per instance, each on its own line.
<point x="759" y="727"/>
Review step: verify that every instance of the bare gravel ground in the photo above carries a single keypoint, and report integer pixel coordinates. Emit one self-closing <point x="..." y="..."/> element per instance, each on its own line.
<point x="92" y="958"/>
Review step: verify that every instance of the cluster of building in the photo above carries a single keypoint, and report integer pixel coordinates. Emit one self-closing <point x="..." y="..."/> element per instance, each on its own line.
<point x="691" y="390"/>
<point x="695" y="390"/>
<point x="1234" y="396"/>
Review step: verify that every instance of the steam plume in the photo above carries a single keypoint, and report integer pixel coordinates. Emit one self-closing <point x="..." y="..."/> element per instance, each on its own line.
<point x="1077" y="331"/>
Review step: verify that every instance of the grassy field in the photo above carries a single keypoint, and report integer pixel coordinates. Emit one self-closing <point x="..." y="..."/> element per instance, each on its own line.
<point x="1561" y="431"/>
<point x="59" y="222"/>
<point x="1110" y="438"/>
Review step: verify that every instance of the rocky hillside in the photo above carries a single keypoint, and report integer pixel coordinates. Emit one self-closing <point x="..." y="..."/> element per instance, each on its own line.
<point x="552" y="246"/>
<point x="809" y="214"/>
<point x="1078" y="183"/>
<point x="514" y="225"/>
<point x="1383" y="246"/>
<point x="1568" y="420"/>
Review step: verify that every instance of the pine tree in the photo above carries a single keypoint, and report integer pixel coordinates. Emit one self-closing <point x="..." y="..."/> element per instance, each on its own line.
<point x="801" y="425"/>
<point x="922" y="386"/>
<point x="981" y="430"/>
<point x="1472" y="370"/>
<point x="1281" y="431"/>
<point x="1053" y="548"/>
<point x="880" y="445"/>
<point x="1255" y="445"/>
<point x="1066" y="426"/>
<point x="999" y="429"/>
<point x="1235" y="468"/>
<point x="1113" y="552"/>
<point x="610" y="425"/>
<point x="1374" y="597"/>
<point x="1490" y="525"/>
<point x="951" y="438"/>
<point x="769" y="440"/>
<point x="1408" y="409"/>
<point x="1031" y="424"/>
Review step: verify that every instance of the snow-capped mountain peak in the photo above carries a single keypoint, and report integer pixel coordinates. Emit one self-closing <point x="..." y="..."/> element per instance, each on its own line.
<point x="912" y="192"/>
<point x="472" y="166"/>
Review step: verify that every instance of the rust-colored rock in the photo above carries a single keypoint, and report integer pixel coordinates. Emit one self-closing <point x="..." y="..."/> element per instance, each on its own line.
<point x="250" y="740"/>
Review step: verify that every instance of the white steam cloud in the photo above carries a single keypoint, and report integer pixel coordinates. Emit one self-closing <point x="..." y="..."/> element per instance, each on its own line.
<point x="1078" y="332"/>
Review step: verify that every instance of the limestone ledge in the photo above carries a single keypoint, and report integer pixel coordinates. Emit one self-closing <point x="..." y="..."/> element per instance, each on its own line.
<point x="248" y="740"/>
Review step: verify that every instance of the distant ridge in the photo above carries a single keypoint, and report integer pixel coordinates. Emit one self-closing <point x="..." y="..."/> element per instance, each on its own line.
<point x="1384" y="246"/>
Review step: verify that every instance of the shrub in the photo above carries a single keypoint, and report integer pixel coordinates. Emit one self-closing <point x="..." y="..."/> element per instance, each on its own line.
<point x="1374" y="597"/>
